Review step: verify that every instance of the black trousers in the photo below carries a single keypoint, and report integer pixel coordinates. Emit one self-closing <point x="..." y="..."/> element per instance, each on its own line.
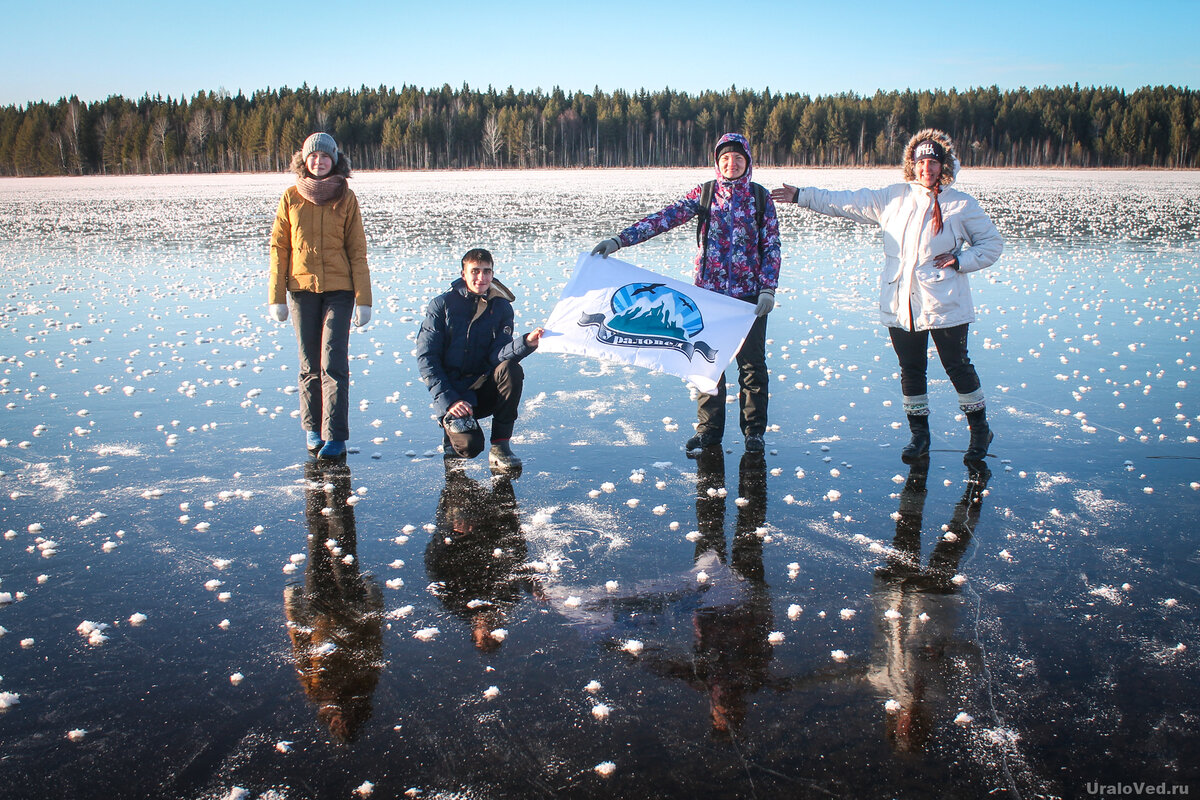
<point x="755" y="384"/>
<point x="499" y="398"/>
<point x="951" y="344"/>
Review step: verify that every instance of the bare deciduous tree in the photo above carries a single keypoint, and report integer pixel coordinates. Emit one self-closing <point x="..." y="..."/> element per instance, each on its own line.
<point x="493" y="140"/>
<point x="158" y="130"/>
<point x="197" y="132"/>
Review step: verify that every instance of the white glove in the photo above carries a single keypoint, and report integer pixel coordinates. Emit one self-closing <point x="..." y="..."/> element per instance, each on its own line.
<point x="766" y="302"/>
<point x="362" y="315"/>
<point x="606" y="248"/>
<point x="277" y="311"/>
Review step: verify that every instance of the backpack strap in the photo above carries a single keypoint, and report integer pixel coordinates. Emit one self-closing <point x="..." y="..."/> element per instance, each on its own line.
<point x="760" y="204"/>
<point x="702" y="211"/>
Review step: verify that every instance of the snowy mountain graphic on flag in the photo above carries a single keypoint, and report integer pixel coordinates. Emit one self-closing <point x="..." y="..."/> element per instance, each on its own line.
<point x="616" y="311"/>
<point x="651" y="316"/>
<point x="653" y="309"/>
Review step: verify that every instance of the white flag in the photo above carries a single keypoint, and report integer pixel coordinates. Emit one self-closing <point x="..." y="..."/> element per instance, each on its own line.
<point x="615" y="311"/>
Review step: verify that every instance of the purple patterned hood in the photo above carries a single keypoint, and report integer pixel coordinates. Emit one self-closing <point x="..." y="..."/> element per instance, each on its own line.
<point x="744" y="181"/>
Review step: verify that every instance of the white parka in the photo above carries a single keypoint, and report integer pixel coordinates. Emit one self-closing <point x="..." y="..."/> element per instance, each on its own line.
<point x="913" y="293"/>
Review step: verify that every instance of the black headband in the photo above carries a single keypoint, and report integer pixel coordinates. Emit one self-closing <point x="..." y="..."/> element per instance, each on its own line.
<point x="929" y="149"/>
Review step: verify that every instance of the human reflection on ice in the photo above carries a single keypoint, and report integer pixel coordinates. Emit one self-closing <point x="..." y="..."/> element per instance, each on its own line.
<point x="477" y="555"/>
<point x="917" y="653"/>
<point x="724" y="596"/>
<point x="732" y="620"/>
<point x="335" y="618"/>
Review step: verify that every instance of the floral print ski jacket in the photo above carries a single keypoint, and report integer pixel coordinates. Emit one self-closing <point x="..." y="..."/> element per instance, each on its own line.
<point x="740" y="260"/>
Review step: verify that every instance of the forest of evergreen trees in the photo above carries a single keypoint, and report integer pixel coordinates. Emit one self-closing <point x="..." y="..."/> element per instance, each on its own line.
<point x="413" y="128"/>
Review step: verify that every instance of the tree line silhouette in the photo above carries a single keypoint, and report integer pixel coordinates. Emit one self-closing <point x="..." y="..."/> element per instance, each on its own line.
<point x="446" y="128"/>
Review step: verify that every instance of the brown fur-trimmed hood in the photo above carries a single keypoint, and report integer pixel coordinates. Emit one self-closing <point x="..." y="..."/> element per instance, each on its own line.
<point x="342" y="167"/>
<point x="950" y="163"/>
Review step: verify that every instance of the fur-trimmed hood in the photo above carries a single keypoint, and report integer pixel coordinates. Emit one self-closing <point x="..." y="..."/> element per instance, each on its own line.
<point x="342" y="167"/>
<point x="950" y="163"/>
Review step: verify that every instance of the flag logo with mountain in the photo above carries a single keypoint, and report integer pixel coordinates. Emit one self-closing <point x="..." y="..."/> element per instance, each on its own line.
<point x="616" y="311"/>
<point x="651" y="315"/>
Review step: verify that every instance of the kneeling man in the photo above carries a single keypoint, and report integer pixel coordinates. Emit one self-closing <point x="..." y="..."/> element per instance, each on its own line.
<point x="470" y="361"/>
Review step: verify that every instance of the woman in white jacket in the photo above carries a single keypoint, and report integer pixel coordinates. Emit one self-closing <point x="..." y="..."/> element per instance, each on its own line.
<point x="924" y="287"/>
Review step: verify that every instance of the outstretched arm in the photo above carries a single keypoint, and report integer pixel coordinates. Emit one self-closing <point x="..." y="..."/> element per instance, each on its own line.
<point x="862" y="205"/>
<point x="674" y="215"/>
<point x="786" y="194"/>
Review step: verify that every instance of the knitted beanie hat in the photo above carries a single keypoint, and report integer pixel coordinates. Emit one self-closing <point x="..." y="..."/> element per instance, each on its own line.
<point x="320" y="143"/>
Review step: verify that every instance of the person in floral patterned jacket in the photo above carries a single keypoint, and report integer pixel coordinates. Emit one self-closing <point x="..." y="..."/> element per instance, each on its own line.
<point x="738" y="256"/>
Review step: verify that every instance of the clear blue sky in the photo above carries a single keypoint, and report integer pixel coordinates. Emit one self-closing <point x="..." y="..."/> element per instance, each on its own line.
<point x="94" y="49"/>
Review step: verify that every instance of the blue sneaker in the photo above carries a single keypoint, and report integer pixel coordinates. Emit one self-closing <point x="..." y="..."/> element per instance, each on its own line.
<point x="332" y="450"/>
<point x="312" y="440"/>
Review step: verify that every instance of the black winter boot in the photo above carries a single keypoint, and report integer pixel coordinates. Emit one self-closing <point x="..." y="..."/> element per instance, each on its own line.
<point x="981" y="437"/>
<point x="502" y="457"/>
<point x="702" y="440"/>
<point x="918" y="446"/>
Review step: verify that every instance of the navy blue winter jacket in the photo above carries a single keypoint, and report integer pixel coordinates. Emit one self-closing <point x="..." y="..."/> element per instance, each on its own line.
<point x="463" y="338"/>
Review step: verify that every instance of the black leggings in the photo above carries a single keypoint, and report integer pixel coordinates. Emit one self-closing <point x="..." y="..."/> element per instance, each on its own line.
<point x="951" y="344"/>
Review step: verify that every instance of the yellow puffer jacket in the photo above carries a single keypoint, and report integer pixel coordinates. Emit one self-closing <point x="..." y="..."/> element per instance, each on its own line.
<point x="319" y="248"/>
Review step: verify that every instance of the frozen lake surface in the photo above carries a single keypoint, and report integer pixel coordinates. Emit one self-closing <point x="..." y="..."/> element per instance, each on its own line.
<point x="189" y="608"/>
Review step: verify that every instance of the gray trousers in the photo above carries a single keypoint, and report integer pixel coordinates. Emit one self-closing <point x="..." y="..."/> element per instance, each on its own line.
<point x="322" y="321"/>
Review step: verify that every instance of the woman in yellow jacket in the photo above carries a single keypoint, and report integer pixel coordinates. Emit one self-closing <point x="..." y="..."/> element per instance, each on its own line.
<point x="319" y="272"/>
